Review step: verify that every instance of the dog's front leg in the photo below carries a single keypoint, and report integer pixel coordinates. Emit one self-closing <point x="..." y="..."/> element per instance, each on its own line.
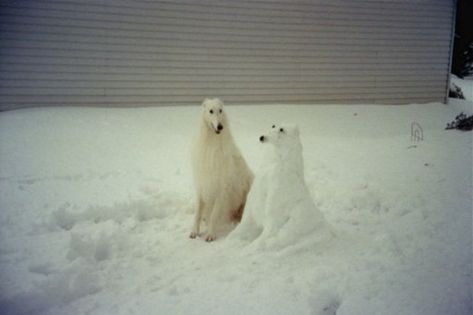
<point x="211" y="233"/>
<point x="217" y="209"/>
<point x="197" y="219"/>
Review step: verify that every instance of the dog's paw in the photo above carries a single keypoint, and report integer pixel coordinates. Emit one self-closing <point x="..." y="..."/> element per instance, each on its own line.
<point x="210" y="238"/>
<point x="193" y="234"/>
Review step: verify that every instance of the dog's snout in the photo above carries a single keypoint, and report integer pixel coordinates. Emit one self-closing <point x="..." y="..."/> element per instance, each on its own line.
<point x="261" y="139"/>
<point x="219" y="127"/>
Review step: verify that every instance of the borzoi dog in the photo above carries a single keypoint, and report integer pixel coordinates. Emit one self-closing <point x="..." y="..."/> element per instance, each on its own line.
<point x="221" y="176"/>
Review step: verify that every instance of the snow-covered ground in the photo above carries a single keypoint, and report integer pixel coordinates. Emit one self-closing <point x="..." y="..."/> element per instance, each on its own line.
<point x="96" y="208"/>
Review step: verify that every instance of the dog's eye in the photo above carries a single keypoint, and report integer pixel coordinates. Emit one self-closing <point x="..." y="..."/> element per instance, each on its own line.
<point x="211" y="111"/>
<point x="281" y="130"/>
<point x="274" y="126"/>
<point x="220" y="111"/>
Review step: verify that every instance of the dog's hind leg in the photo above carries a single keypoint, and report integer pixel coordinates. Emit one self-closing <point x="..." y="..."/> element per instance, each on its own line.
<point x="197" y="219"/>
<point x="236" y="215"/>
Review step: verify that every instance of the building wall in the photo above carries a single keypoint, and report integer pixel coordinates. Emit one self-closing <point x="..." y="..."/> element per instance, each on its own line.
<point x="147" y="53"/>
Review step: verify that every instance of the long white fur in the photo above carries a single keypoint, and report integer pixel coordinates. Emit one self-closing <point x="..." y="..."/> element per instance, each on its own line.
<point x="221" y="176"/>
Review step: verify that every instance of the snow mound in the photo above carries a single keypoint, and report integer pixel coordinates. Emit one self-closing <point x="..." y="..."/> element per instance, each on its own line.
<point x="55" y="291"/>
<point x="465" y="86"/>
<point x="95" y="243"/>
<point x="155" y="208"/>
<point x="280" y="210"/>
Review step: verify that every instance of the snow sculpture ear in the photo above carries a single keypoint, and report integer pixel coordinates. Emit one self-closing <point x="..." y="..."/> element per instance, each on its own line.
<point x="293" y="129"/>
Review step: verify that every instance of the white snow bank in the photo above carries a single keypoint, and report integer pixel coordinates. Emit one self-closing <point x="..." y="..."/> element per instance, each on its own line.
<point x="96" y="208"/>
<point x="466" y="86"/>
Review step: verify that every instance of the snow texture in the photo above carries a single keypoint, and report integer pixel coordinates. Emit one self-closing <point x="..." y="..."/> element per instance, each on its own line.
<point x="96" y="206"/>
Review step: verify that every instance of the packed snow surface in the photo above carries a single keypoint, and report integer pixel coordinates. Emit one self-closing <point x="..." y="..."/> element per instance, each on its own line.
<point x="96" y="206"/>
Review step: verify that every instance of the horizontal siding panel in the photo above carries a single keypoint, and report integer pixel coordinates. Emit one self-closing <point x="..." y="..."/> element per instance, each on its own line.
<point x="364" y="29"/>
<point x="296" y="5"/>
<point x="229" y="41"/>
<point x="19" y="50"/>
<point x="124" y="66"/>
<point x="102" y="65"/>
<point x="212" y="22"/>
<point x="396" y="27"/>
<point x="316" y="32"/>
<point x="197" y="10"/>
<point x="144" y="7"/>
<point x="110" y="92"/>
<point x="413" y="76"/>
<point x="216" y="71"/>
<point x="144" y="53"/>
<point x="21" y="53"/>
<point x="197" y="98"/>
<point x="243" y="49"/>
<point x="192" y="79"/>
<point x="247" y="83"/>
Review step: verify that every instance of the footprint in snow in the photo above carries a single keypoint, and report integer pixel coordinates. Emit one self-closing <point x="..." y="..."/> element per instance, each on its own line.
<point x="325" y="303"/>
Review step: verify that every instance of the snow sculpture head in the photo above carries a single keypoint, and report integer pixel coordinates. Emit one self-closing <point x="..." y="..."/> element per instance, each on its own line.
<point x="285" y="145"/>
<point x="213" y="114"/>
<point x="284" y="135"/>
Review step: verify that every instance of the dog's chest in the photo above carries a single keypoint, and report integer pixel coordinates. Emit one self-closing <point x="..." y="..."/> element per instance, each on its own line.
<point x="215" y="159"/>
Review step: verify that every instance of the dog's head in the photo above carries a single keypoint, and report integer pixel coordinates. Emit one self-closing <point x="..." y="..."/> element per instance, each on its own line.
<point x="283" y="135"/>
<point x="214" y="115"/>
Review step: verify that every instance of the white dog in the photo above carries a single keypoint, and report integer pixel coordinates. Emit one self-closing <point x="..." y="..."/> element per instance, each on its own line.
<point x="222" y="177"/>
<point x="280" y="210"/>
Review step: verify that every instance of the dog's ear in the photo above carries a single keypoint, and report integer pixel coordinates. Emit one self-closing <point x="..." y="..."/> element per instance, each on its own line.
<point x="296" y="130"/>
<point x="205" y="101"/>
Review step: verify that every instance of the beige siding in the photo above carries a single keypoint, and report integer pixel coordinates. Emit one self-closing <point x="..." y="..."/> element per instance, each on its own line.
<point x="145" y="53"/>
